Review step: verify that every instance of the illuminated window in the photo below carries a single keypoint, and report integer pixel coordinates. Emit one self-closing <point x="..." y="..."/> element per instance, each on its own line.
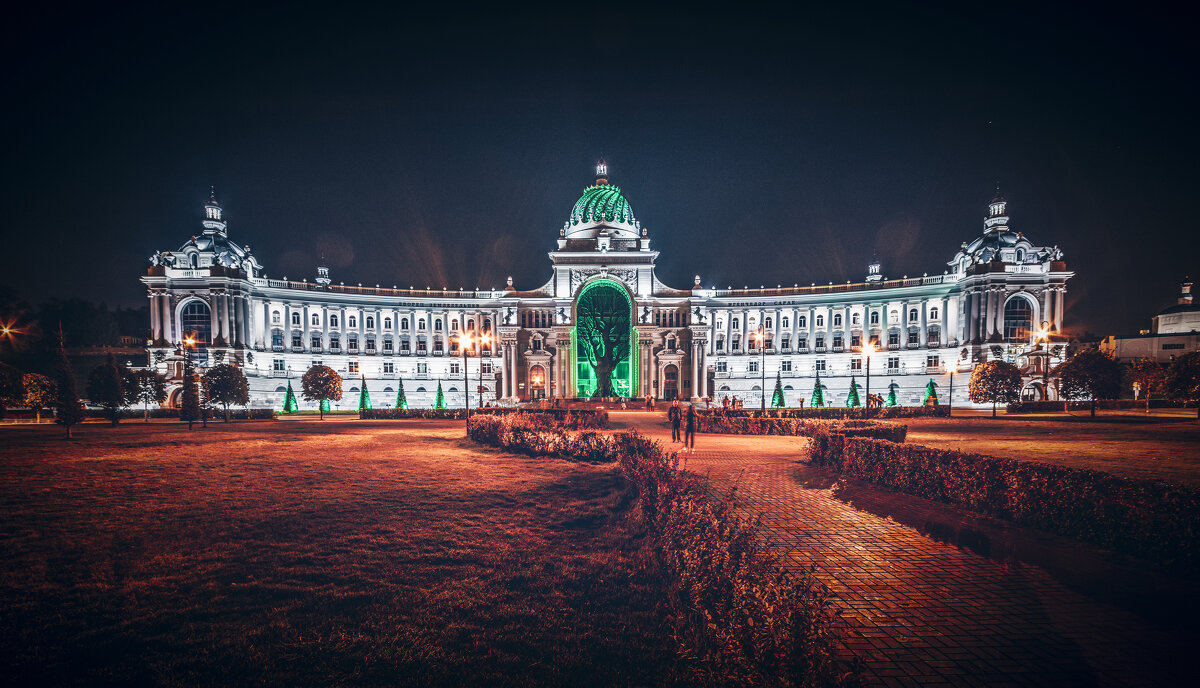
<point x="856" y="364"/>
<point x="352" y="367"/>
<point x="1018" y="319"/>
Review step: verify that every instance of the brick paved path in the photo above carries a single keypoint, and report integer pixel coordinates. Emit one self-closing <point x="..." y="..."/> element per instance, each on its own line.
<point x="924" y="612"/>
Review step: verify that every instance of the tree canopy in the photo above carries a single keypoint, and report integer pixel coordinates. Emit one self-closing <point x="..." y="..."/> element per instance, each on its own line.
<point x="1089" y="374"/>
<point x="39" y="393"/>
<point x="995" y="382"/>
<point x="1149" y="376"/>
<point x="1183" y="379"/>
<point x="322" y="384"/>
<point x="226" y="385"/>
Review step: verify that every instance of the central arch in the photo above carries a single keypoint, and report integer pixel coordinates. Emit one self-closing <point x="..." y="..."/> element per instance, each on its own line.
<point x="603" y="341"/>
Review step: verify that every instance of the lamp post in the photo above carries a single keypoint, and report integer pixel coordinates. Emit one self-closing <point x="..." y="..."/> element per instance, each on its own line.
<point x="761" y="336"/>
<point x="1043" y="337"/>
<point x="464" y="343"/>
<point x="483" y="339"/>
<point x="867" y="350"/>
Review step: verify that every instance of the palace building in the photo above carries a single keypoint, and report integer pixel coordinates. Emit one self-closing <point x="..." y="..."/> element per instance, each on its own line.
<point x="604" y="324"/>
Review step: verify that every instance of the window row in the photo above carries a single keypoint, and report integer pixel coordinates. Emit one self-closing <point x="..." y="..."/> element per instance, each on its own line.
<point x="914" y="315"/>
<point x="369" y="322"/>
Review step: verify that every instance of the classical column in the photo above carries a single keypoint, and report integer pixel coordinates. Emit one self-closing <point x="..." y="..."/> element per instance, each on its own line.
<point x="924" y="333"/>
<point x="325" y="327"/>
<point x="695" y="361"/>
<point x="1059" y="295"/>
<point x="156" y="329"/>
<point x="515" y="389"/>
<point x="214" y="317"/>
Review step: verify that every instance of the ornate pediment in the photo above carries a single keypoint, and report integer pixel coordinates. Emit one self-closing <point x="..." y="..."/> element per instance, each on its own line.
<point x="626" y="275"/>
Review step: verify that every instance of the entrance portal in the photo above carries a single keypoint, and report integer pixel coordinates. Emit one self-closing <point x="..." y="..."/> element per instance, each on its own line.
<point x="671" y="382"/>
<point x="604" y="341"/>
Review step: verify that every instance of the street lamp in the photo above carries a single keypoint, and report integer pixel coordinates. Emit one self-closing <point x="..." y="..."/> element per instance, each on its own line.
<point x="464" y="343"/>
<point x="867" y="350"/>
<point x="761" y="336"/>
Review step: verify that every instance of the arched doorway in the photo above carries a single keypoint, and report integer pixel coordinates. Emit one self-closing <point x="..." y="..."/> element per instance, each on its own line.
<point x="604" y="341"/>
<point x="537" y="382"/>
<point x="671" y="382"/>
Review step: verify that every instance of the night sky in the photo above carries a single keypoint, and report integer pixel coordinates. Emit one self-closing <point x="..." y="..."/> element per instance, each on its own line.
<point x="445" y="148"/>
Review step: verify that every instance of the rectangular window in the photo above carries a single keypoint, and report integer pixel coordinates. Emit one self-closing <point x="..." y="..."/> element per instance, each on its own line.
<point x="316" y="341"/>
<point x="722" y="367"/>
<point x="893" y="339"/>
<point x="893" y="363"/>
<point x="296" y="343"/>
<point x="856" y="364"/>
<point x="802" y="343"/>
<point x="389" y="367"/>
<point x="1168" y="347"/>
<point x="820" y="342"/>
<point x="422" y="368"/>
<point x="387" y="346"/>
<point x="404" y="346"/>
<point x="352" y="343"/>
<point x="455" y="368"/>
<point x="914" y="338"/>
<point x="335" y="343"/>
<point x="785" y="366"/>
<point x="487" y="367"/>
<point x="352" y="366"/>
<point x="277" y="340"/>
<point x="421" y="346"/>
<point x="720" y="345"/>
<point x="279" y="365"/>
<point x="370" y="346"/>
<point x="855" y="341"/>
<point x="933" y="361"/>
<point x="437" y="345"/>
<point x="736" y="344"/>
<point x="819" y="366"/>
<point x="837" y="341"/>
<point x="316" y="363"/>
<point x="754" y="366"/>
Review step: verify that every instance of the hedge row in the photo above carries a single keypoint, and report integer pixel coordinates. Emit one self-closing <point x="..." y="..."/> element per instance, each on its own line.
<point x="738" y="611"/>
<point x="799" y="427"/>
<point x="836" y="412"/>
<point x="213" y="414"/>
<point x="1110" y="404"/>
<point x="574" y="419"/>
<point x="1145" y="518"/>
<point x="540" y="435"/>
<point x="400" y="414"/>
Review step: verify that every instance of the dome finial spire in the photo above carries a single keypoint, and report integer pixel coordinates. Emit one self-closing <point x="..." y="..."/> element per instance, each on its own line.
<point x="602" y="172"/>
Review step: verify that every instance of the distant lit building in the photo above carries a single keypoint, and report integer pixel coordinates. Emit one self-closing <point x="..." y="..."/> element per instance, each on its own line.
<point x="211" y="298"/>
<point x="1173" y="332"/>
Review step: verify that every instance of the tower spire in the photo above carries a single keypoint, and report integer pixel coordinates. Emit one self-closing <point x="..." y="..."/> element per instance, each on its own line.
<point x="601" y="172"/>
<point x="212" y="214"/>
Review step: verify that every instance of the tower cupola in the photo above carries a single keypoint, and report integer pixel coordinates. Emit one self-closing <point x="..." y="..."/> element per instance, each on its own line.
<point x="601" y="173"/>
<point x="997" y="217"/>
<point x="212" y="214"/>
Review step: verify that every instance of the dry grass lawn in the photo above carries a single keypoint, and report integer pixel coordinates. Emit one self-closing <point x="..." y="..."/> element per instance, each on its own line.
<point x="308" y="553"/>
<point x="1165" y="446"/>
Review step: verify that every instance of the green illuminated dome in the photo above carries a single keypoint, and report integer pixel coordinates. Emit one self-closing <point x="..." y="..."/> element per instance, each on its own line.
<point x="602" y="203"/>
<point x="601" y="207"/>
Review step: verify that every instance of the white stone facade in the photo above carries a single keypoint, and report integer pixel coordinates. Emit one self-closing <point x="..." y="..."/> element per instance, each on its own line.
<point x="691" y="343"/>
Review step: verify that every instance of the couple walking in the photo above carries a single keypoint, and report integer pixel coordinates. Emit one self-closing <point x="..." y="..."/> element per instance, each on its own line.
<point x="677" y="416"/>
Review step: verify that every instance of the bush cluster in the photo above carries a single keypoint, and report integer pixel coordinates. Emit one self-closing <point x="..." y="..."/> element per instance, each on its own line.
<point x="571" y="419"/>
<point x="739" y="611"/>
<point x="742" y="425"/>
<point x="540" y="435"/>
<point x="836" y="413"/>
<point x="1146" y="518"/>
<point x="213" y="414"/>
<point x="400" y="414"/>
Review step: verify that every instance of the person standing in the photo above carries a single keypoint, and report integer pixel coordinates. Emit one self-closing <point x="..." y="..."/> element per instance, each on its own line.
<point x="675" y="416"/>
<point x="689" y="439"/>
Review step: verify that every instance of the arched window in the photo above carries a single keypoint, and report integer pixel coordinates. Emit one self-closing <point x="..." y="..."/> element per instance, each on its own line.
<point x="735" y="323"/>
<point x="854" y="318"/>
<point x="316" y="320"/>
<point x="767" y="323"/>
<point x="913" y="315"/>
<point x="370" y="322"/>
<point x="1018" y="319"/>
<point x="387" y="323"/>
<point x="333" y="321"/>
<point x="785" y="322"/>
<point x="404" y="323"/>
<point x="437" y="325"/>
<point x="454" y="325"/>
<point x="670" y="343"/>
<point x="820" y="321"/>
<point x="192" y="259"/>
<point x="195" y="321"/>
<point x="352" y="321"/>
<point x="874" y="317"/>
<point x="471" y="324"/>
<point x="837" y="320"/>
<point x="802" y="321"/>
<point x="274" y="317"/>
<point x="933" y="313"/>
<point x="296" y="319"/>
<point x="421" y="324"/>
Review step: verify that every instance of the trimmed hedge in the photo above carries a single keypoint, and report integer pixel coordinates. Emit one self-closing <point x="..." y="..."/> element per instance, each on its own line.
<point x="574" y="419"/>
<point x="799" y="427"/>
<point x="836" y="413"/>
<point x="737" y="610"/>
<point x="539" y="435"/>
<point x="1145" y="518"/>
<point x="402" y="414"/>
<point x="1108" y="404"/>
<point x="214" y="414"/>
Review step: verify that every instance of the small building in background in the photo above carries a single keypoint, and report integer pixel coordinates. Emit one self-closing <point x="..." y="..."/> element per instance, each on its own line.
<point x="1173" y="332"/>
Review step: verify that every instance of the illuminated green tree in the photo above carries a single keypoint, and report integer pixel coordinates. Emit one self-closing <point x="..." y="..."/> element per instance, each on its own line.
<point x="818" y="395"/>
<point x="290" y="405"/>
<point x="852" y="400"/>
<point x="364" y="397"/>
<point x="401" y="400"/>
<point x="440" y="401"/>
<point x="777" y="397"/>
<point x="931" y="395"/>
<point x="891" y="397"/>
<point x="602" y="331"/>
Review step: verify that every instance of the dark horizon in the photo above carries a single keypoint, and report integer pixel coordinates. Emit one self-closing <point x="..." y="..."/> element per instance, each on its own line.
<point x="759" y="149"/>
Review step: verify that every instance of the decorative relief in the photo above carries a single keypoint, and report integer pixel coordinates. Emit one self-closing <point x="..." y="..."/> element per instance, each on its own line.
<point x="626" y="275"/>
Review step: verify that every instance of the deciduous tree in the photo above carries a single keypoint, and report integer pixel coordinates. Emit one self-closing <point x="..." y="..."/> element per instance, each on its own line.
<point x="1183" y="379"/>
<point x="995" y="382"/>
<point x="1090" y="374"/>
<point x="189" y="398"/>
<point x="1149" y="376"/>
<point x="12" y="392"/>
<point x="321" y="383"/>
<point x="39" y="393"/>
<point x="226" y="385"/>
<point x="151" y="389"/>
<point x="603" y="320"/>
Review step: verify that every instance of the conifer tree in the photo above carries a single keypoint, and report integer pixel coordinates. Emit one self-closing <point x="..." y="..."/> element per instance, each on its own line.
<point x="777" y="397"/>
<point x="852" y="400"/>
<point x="818" y="395"/>
<point x="891" y="397"/>
<point x="401" y="400"/>
<point x="289" y="400"/>
<point x="69" y="409"/>
<point x="189" y="399"/>
<point x="364" y="397"/>
<point x="931" y="396"/>
<point x="106" y="387"/>
<point x="440" y="401"/>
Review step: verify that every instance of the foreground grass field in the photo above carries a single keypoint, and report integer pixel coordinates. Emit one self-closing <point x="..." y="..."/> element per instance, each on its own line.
<point x="317" y="553"/>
